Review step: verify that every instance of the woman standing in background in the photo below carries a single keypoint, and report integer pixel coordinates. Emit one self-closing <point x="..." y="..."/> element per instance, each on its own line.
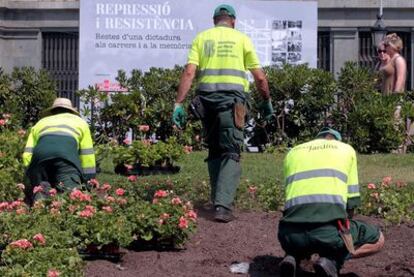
<point x="397" y="69"/>
<point x="385" y="70"/>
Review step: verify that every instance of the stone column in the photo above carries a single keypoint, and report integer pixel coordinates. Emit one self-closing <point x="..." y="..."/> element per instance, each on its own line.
<point x="344" y="47"/>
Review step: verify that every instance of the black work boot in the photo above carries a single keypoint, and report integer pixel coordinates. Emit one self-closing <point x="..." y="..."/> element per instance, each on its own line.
<point x="288" y="267"/>
<point x="325" y="267"/>
<point x="223" y="214"/>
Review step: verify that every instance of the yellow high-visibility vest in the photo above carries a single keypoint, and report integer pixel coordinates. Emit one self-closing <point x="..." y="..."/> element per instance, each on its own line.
<point x="64" y="124"/>
<point x="223" y="55"/>
<point x="321" y="171"/>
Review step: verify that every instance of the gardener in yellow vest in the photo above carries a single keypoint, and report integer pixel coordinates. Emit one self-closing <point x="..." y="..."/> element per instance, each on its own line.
<point x="321" y="187"/>
<point x="222" y="56"/>
<point x="59" y="151"/>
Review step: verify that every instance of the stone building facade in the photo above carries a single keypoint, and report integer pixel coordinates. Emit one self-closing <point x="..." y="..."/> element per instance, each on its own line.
<point x="44" y="34"/>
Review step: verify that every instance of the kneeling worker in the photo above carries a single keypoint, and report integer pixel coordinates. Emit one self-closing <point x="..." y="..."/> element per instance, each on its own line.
<point x="321" y="188"/>
<point x="59" y="150"/>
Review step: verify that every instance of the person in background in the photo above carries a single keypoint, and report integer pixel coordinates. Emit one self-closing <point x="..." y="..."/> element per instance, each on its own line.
<point x="385" y="70"/>
<point x="397" y="74"/>
<point x="222" y="56"/>
<point x="321" y="190"/>
<point x="59" y="151"/>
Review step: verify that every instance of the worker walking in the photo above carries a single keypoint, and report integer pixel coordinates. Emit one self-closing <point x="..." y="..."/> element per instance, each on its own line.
<point x="59" y="150"/>
<point x="321" y="190"/>
<point x="222" y="56"/>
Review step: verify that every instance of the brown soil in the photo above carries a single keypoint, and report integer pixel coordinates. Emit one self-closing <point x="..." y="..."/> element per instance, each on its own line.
<point x="252" y="238"/>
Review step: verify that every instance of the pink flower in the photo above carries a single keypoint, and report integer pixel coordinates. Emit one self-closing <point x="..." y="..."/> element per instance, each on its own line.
<point x="386" y="181"/>
<point x="86" y="213"/>
<point x="400" y="184"/>
<point x="40" y="239"/>
<point x="78" y="195"/>
<point x="107" y="209"/>
<point x="252" y="189"/>
<point x="109" y="199"/>
<point x="191" y="215"/>
<point x="52" y="192"/>
<point x="15" y="204"/>
<point x="164" y="216"/>
<point x="20" y="186"/>
<point x="56" y="204"/>
<point x="132" y="178"/>
<point x="375" y="195"/>
<point x="128" y="166"/>
<point x="155" y="201"/>
<point x="4" y="206"/>
<point x="120" y="192"/>
<point x="143" y="128"/>
<point x="122" y="201"/>
<point x="188" y="149"/>
<point x="22" y="244"/>
<point x="94" y="183"/>
<point x="37" y="189"/>
<point x="371" y="186"/>
<point x="53" y="273"/>
<point x="127" y="141"/>
<point x="106" y="187"/>
<point x="183" y="223"/>
<point x="176" y="201"/>
<point x="161" y="193"/>
<point x="2" y="122"/>
<point x="21" y="211"/>
<point x="73" y="208"/>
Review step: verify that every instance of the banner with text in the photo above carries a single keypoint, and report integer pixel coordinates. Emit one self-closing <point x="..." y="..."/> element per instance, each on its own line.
<point x="130" y="34"/>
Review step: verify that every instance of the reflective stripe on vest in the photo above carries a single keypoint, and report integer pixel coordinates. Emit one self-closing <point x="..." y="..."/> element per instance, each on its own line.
<point x="209" y="87"/>
<point x="315" y="198"/>
<point x="62" y="126"/>
<point x="353" y="189"/>
<point x="221" y="72"/>
<point x="87" y="151"/>
<point x="326" y="172"/>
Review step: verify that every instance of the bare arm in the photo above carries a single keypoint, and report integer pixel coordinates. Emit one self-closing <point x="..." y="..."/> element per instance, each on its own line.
<point x="185" y="82"/>
<point x="401" y="68"/>
<point x="369" y="248"/>
<point x="261" y="82"/>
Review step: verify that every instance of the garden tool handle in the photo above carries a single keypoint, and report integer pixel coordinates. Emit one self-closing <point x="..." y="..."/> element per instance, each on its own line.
<point x="342" y="227"/>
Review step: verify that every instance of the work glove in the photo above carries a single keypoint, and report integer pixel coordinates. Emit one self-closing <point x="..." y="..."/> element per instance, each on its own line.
<point x="179" y="116"/>
<point x="266" y="109"/>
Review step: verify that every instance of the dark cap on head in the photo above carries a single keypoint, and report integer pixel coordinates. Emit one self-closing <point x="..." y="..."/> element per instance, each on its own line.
<point x="224" y="9"/>
<point x="326" y="130"/>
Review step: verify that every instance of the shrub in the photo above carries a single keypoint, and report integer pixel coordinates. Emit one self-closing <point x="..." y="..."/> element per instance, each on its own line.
<point x="28" y="93"/>
<point x="301" y="97"/>
<point x="391" y="200"/>
<point x="11" y="166"/>
<point x="146" y="153"/>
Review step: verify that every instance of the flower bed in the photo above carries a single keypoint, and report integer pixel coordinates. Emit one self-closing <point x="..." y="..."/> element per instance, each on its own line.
<point x="95" y="221"/>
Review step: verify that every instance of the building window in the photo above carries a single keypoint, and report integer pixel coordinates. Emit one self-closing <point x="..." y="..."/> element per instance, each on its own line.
<point x="60" y="52"/>
<point x="368" y="55"/>
<point x="324" y="51"/>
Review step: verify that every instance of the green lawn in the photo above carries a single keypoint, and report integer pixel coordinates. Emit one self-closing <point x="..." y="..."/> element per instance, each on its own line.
<point x="260" y="167"/>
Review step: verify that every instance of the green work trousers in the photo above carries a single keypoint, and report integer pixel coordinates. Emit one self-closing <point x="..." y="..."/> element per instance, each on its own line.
<point x="55" y="173"/>
<point x="224" y="141"/>
<point x="301" y="240"/>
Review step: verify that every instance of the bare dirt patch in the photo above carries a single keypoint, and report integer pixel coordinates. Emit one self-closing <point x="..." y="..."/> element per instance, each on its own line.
<point x="252" y="238"/>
